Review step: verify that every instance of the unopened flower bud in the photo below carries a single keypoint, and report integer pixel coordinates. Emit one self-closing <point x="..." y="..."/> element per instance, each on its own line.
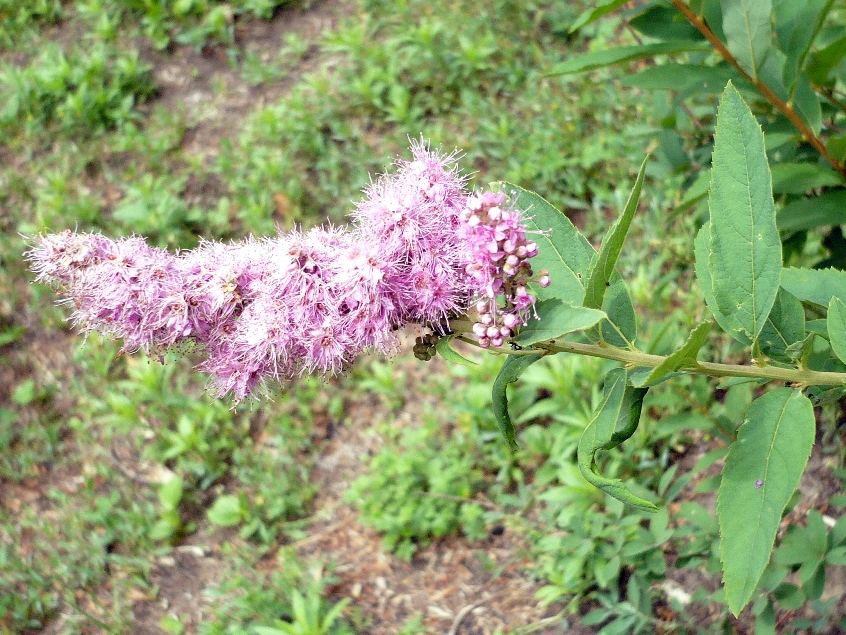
<point x="544" y="281"/>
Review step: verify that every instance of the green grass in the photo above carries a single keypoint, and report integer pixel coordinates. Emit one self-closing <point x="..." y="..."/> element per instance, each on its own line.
<point x="88" y="142"/>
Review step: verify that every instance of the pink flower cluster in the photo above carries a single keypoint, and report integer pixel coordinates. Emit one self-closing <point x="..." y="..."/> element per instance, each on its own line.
<point x="421" y="250"/>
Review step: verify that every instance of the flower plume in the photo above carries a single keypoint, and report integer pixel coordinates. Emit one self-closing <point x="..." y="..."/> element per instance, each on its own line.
<point x="421" y="249"/>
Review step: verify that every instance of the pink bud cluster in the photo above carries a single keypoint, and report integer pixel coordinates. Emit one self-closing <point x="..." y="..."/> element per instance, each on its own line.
<point x="420" y="250"/>
<point x="498" y="254"/>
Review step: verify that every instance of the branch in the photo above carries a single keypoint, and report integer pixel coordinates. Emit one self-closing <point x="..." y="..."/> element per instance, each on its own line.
<point x="783" y="107"/>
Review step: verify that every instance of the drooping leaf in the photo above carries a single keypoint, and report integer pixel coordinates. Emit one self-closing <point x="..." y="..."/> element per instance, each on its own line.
<point x="683" y="357"/>
<point x="566" y="254"/>
<point x="446" y="351"/>
<point x="762" y="470"/>
<point x="615" y="420"/>
<point x="829" y="208"/>
<point x="785" y="326"/>
<point x="748" y="32"/>
<point x="815" y="286"/>
<point x="609" y="57"/>
<point x="745" y="248"/>
<point x="837" y="328"/>
<point x="702" y="252"/>
<point x="593" y="14"/>
<point x="509" y="373"/>
<point x="557" y="318"/>
<point x="797" y="178"/>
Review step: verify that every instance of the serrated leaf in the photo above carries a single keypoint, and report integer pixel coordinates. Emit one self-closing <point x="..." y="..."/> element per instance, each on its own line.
<point x="829" y="208"/>
<point x="762" y="471"/>
<point x="745" y="248"/>
<point x="509" y="373"/>
<point x="557" y="318"/>
<point x="785" y="325"/>
<point x="566" y="254"/>
<point x="562" y="249"/>
<point x="815" y="286"/>
<point x="604" y="263"/>
<point x="446" y="351"/>
<point x="748" y="32"/>
<point x="609" y="57"/>
<point x="615" y="420"/>
<point x="702" y="250"/>
<point x="683" y="357"/>
<point x="837" y="327"/>
<point x="591" y="15"/>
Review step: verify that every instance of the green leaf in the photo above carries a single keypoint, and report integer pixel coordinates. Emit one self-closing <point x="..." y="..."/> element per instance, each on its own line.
<point x="566" y="254"/>
<point x="745" y="248"/>
<point x="591" y="15"/>
<point x="562" y="249"/>
<point x="829" y="208"/>
<point x="683" y="357"/>
<point x="557" y="318"/>
<point x="446" y="351"/>
<point x="746" y="24"/>
<point x="797" y="178"/>
<point x="615" y="420"/>
<point x="762" y="470"/>
<point x="837" y="327"/>
<point x="797" y="25"/>
<point x="603" y="265"/>
<point x="609" y="57"/>
<point x="822" y="62"/>
<point x="785" y="326"/>
<point x="665" y="23"/>
<point x="509" y="373"/>
<point x="226" y="511"/>
<point x="815" y="286"/>
<point x="170" y="493"/>
<point x="701" y="250"/>
<point x="807" y="104"/>
<point x="690" y="78"/>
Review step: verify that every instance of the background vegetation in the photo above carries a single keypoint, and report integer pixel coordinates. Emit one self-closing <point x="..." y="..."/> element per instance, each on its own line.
<point x="197" y="118"/>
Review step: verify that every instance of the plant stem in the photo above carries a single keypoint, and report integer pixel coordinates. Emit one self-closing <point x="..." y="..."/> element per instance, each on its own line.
<point x="785" y="108"/>
<point x="635" y="359"/>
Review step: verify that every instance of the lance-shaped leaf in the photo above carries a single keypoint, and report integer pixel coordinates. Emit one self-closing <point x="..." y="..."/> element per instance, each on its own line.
<point x="748" y="32"/>
<point x="509" y="373"/>
<point x="836" y="322"/>
<point x="566" y="254"/>
<point x="591" y="15"/>
<point x="615" y="421"/>
<point x="785" y="325"/>
<point x="603" y="265"/>
<point x="815" y="286"/>
<point x="685" y="357"/>
<point x="745" y="248"/>
<point x="762" y="470"/>
<point x="557" y="318"/>
<point x="609" y="57"/>
<point x="446" y="351"/>
<point x="702" y="253"/>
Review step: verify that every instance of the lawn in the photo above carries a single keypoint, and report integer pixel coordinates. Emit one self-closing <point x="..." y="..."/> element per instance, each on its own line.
<point x="382" y="501"/>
